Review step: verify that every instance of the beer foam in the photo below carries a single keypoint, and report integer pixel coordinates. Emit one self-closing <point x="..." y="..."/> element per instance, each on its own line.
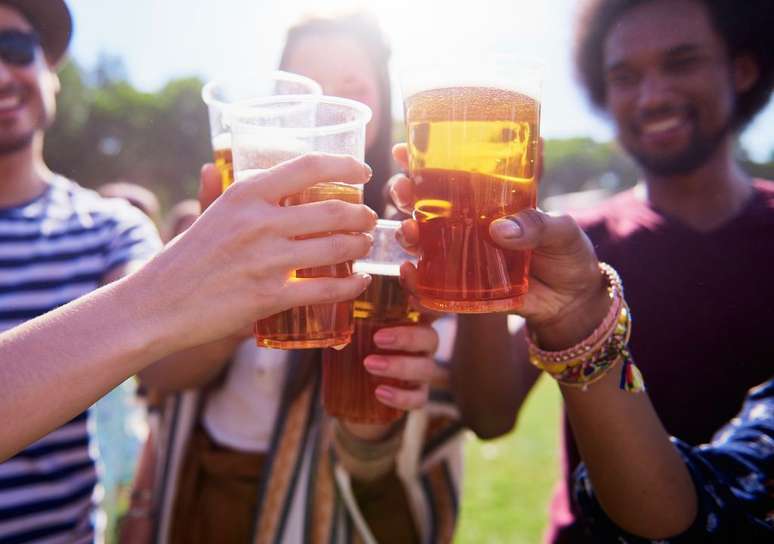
<point x="221" y="141"/>
<point x="264" y="149"/>
<point x="497" y="72"/>
<point x="377" y="268"/>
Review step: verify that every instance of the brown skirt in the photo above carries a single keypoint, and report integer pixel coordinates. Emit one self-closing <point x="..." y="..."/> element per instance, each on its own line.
<point x="217" y="494"/>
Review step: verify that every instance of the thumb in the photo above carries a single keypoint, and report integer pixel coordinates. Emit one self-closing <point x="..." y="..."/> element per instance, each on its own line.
<point x="533" y="229"/>
<point x="210" y="185"/>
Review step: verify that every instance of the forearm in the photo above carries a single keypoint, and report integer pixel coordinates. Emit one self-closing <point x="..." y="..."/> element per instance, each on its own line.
<point x="55" y="366"/>
<point x="638" y="476"/>
<point x="490" y="374"/>
<point x="189" y="369"/>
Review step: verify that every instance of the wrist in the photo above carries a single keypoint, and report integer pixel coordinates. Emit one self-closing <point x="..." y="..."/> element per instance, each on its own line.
<point x="152" y="320"/>
<point x="587" y="361"/>
<point x="576" y="322"/>
<point x="365" y="431"/>
<point x="367" y="460"/>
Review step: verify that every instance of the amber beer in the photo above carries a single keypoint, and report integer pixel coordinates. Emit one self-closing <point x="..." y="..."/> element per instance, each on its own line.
<point x="221" y="150"/>
<point x="274" y="129"/>
<point x="472" y="154"/>
<point x="316" y="325"/>
<point x="348" y="389"/>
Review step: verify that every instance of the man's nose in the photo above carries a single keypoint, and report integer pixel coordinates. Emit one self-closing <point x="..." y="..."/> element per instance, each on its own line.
<point x="655" y="92"/>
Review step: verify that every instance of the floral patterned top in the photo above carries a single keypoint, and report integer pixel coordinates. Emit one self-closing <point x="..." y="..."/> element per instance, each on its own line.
<point x="734" y="477"/>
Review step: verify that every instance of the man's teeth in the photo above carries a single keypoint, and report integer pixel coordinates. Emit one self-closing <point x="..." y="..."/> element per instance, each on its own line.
<point x="9" y="102"/>
<point x="661" y="126"/>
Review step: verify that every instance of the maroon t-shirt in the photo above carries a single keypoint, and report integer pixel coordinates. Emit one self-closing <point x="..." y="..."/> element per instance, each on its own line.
<point x="703" y="317"/>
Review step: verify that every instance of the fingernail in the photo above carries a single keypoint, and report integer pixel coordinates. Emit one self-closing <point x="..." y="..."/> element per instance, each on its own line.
<point x="508" y="228"/>
<point x="385" y="337"/>
<point x="376" y="363"/>
<point x="368" y="171"/>
<point x="366" y="278"/>
<point x="385" y="393"/>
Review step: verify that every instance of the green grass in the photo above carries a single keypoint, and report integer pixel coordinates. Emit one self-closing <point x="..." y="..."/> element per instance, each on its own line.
<point x="508" y="482"/>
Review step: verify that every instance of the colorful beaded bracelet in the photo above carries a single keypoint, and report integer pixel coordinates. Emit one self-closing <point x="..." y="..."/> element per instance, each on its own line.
<point x="588" y="361"/>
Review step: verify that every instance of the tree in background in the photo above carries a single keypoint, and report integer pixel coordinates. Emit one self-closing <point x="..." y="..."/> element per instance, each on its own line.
<point x="107" y="130"/>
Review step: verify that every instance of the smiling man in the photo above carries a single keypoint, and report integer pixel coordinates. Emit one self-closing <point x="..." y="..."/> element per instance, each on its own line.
<point x="58" y="241"/>
<point x="680" y="79"/>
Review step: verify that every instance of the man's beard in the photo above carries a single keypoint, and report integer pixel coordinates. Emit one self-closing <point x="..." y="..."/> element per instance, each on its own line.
<point x="12" y="146"/>
<point x="700" y="149"/>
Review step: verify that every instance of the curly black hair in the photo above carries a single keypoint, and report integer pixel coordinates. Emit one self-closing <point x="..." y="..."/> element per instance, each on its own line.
<point x="747" y="26"/>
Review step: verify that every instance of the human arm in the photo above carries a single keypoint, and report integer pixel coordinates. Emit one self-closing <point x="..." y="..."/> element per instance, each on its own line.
<point x="197" y="366"/>
<point x="731" y="476"/>
<point x="54" y="366"/>
<point x="638" y="476"/>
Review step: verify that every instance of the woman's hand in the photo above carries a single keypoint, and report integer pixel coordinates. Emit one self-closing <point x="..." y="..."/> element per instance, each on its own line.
<point x="415" y="365"/>
<point x="566" y="297"/>
<point x="235" y="264"/>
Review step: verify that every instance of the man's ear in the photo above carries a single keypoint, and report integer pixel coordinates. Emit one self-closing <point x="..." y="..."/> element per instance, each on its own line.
<point x="746" y="72"/>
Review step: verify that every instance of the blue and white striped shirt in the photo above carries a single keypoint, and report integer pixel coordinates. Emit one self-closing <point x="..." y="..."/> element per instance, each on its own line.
<point x="54" y="249"/>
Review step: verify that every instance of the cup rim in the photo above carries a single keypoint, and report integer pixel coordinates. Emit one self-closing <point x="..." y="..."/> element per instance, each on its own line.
<point x="233" y="110"/>
<point x="209" y="87"/>
<point x="387" y="224"/>
<point x="431" y="75"/>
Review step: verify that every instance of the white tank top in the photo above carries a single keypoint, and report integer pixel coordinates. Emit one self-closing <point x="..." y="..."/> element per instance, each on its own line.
<point x="241" y="413"/>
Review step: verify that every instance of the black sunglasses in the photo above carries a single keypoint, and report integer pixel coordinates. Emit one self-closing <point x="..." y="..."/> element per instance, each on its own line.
<point x="17" y="47"/>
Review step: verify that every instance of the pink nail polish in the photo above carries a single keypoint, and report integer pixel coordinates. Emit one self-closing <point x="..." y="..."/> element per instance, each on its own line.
<point x="385" y="337"/>
<point x="385" y="393"/>
<point x="376" y="363"/>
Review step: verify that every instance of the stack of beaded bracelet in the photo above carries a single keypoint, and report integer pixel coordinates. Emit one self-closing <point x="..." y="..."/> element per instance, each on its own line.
<point x="586" y="362"/>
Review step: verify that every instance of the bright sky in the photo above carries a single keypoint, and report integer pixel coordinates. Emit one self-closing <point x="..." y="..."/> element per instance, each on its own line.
<point x="163" y="39"/>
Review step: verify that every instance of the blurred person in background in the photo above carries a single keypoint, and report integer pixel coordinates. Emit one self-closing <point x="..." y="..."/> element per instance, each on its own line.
<point x="138" y="196"/>
<point x="59" y="241"/>
<point x="680" y="79"/>
<point x="348" y="55"/>
<point x="180" y="217"/>
<point x="241" y="422"/>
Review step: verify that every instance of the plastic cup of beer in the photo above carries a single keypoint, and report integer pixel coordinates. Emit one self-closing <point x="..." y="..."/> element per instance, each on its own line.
<point x="268" y="131"/>
<point x="473" y="150"/>
<point x="348" y="389"/>
<point x="219" y="95"/>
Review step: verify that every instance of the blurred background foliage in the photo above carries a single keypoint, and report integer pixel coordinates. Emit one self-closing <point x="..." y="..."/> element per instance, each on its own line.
<point x="106" y="130"/>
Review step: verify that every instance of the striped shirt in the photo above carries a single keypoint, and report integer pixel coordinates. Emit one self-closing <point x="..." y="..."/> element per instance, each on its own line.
<point x="54" y="249"/>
